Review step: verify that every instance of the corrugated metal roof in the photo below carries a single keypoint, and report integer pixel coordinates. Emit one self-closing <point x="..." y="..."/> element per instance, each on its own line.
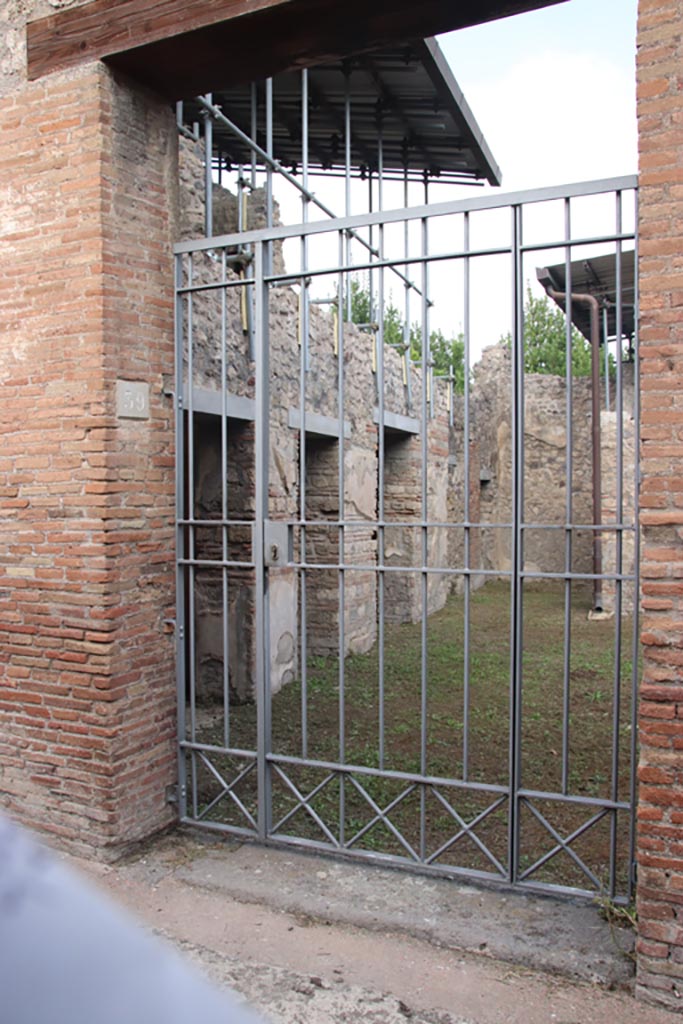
<point x="597" y="276"/>
<point x="408" y="93"/>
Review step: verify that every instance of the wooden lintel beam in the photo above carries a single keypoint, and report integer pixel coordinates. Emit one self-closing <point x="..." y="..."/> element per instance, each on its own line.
<point x="103" y="28"/>
<point x="184" y="47"/>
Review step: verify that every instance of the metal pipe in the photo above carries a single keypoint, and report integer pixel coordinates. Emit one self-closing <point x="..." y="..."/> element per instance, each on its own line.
<point x="594" y="306"/>
<point x="276" y="166"/>
<point x="208" y="182"/>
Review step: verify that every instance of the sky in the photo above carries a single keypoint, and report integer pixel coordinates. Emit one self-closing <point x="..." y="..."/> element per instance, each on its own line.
<point x="553" y="90"/>
<point x="554" y="94"/>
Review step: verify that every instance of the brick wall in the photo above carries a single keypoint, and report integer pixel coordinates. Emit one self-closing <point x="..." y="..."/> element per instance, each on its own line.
<point x="660" y="810"/>
<point x="86" y="683"/>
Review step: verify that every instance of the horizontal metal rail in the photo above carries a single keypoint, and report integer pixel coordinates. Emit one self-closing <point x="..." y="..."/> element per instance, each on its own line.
<point x="491" y="201"/>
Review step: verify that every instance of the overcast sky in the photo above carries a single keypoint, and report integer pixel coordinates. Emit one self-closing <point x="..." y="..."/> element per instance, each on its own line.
<point x="553" y="90"/>
<point x="554" y="94"/>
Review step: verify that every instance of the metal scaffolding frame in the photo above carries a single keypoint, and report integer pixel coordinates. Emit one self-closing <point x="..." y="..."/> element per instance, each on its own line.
<point x="395" y="115"/>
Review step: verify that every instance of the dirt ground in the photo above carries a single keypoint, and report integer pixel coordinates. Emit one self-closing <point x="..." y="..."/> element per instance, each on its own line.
<point x="308" y="940"/>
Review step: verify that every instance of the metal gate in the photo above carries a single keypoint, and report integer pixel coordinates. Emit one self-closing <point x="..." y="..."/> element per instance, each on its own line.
<point x="407" y="593"/>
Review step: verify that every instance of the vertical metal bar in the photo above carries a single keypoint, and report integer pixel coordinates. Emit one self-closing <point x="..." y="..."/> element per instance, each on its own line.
<point x="407" y="361"/>
<point x="424" y="552"/>
<point x="619" y="541"/>
<point x="517" y="560"/>
<point x="427" y="413"/>
<point x="224" y="504"/>
<point x="246" y="297"/>
<point x="341" y="547"/>
<point x="303" y="615"/>
<point x="569" y="511"/>
<point x="305" y="206"/>
<point x="380" y="165"/>
<point x="381" y="535"/>
<point x="254" y="130"/>
<point x="181" y="572"/>
<point x="263" y="703"/>
<point x="191" y="533"/>
<point x="250" y="300"/>
<point x="605" y="341"/>
<point x="371" y="275"/>
<point x="240" y="198"/>
<point x="208" y="162"/>
<point x="635" y="642"/>
<point x="269" y="150"/>
<point x="347" y="183"/>
<point x="466" y="505"/>
<point x="451" y="395"/>
<point x="425" y="308"/>
<point x="379" y="342"/>
<point x="303" y="366"/>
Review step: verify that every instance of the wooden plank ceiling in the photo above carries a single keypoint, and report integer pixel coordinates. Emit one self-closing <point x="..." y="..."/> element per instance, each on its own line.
<point x="181" y="48"/>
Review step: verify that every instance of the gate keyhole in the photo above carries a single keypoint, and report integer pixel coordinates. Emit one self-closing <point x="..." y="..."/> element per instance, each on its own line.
<point x="274" y="552"/>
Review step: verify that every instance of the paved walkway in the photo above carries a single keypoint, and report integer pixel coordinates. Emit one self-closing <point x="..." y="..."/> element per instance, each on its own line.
<point x="309" y="940"/>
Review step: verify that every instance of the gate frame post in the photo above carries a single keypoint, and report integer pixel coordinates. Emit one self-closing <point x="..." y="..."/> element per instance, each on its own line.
<point x="516" y="615"/>
<point x="262" y="446"/>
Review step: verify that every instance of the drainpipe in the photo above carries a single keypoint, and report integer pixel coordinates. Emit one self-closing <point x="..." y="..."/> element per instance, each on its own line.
<point x="594" y="306"/>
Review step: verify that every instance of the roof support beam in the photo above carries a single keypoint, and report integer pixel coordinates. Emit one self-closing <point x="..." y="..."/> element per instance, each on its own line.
<point x="185" y="47"/>
<point x="389" y="100"/>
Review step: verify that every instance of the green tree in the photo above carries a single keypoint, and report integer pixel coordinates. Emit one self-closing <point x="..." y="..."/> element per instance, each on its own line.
<point x="362" y="313"/>
<point x="545" y="340"/>
<point x="445" y="353"/>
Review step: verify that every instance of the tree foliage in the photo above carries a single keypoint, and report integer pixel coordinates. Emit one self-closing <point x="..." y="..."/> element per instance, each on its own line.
<point x="545" y="340"/>
<point x="446" y="354"/>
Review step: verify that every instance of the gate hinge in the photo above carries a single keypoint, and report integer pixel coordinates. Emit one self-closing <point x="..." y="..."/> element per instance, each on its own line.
<point x="634" y="873"/>
<point x="172" y="794"/>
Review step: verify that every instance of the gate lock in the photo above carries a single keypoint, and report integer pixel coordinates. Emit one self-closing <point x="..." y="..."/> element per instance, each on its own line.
<point x="277" y="543"/>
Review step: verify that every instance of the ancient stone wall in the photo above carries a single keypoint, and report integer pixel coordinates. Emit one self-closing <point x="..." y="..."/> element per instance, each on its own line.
<point x="353" y="437"/>
<point x="546" y="471"/>
<point x="618" y="556"/>
<point x="545" y="464"/>
<point x="404" y="549"/>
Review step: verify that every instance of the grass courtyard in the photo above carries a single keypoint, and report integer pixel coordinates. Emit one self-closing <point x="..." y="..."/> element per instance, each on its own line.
<point x="427" y="819"/>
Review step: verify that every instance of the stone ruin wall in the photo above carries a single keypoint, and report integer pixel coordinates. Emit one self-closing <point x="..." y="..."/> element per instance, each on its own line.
<point x="402" y="467"/>
<point x="609" y="435"/>
<point x="489" y="485"/>
<point x="545" y="450"/>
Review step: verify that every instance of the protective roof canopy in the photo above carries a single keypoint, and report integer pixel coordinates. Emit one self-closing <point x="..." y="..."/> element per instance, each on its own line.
<point x="404" y="96"/>
<point x="597" y="276"/>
